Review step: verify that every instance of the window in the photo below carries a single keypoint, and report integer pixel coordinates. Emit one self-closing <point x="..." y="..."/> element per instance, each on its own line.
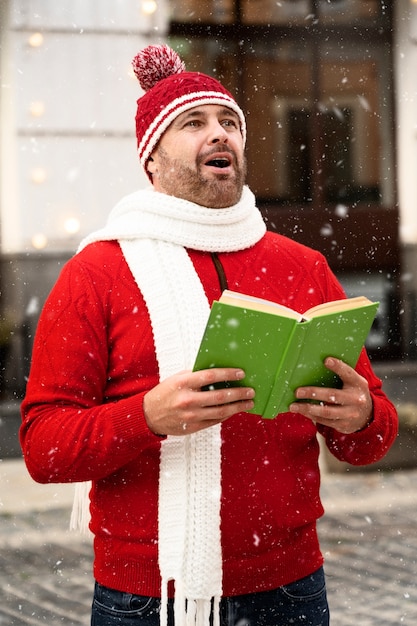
<point x="296" y="12"/>
<point x="314" y="80"/>
<point x="287" y="12"/>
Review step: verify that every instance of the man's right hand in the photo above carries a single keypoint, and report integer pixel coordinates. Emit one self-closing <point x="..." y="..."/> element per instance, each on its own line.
<point x="179" y="406"/>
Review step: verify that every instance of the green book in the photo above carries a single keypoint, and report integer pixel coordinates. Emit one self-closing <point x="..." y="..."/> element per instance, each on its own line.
<point x="280" y="349"/>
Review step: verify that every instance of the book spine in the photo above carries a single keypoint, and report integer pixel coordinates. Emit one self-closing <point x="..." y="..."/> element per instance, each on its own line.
<point x="280" y="392"/>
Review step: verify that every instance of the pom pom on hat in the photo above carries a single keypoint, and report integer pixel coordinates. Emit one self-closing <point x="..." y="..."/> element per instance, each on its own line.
<point x="169" y="91"/>
<point x="155" y="63"/>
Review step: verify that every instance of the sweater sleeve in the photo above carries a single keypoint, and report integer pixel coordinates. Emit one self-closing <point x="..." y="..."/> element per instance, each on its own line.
<point x="82" y="419"/>
<point x="372" y="442"/>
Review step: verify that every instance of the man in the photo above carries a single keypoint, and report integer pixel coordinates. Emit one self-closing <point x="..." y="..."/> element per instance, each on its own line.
<point x="192" y="497"/>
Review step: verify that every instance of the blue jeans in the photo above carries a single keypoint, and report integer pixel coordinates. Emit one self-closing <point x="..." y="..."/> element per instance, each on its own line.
<point x="302" y="603"/>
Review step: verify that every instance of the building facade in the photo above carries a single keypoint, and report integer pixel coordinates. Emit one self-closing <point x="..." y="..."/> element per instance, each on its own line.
<point x="330" y="92"/>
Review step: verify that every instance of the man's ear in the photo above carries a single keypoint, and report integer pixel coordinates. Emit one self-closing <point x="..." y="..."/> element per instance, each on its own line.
<point x="150" y="166"/>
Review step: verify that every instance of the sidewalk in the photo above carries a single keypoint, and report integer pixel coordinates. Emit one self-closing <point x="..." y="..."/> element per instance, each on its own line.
<point x="20" y="494"/>
<point x="368" y="536"/>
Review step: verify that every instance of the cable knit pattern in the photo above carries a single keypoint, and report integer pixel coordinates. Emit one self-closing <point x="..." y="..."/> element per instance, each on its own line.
<point x="153" y="230"/>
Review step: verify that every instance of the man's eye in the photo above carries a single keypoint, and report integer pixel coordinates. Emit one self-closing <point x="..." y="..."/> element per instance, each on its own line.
<point x="230" y="123"/>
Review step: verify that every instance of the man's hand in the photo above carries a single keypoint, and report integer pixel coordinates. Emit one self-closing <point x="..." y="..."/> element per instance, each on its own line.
<point x="178" y="406"/>
<point x="347" y="410"/>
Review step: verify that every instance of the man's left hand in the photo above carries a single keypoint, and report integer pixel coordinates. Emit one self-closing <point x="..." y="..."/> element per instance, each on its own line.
<point x="347" y="410"/>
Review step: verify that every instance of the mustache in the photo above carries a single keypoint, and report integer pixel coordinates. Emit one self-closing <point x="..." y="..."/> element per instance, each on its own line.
<point x="218" y="148"/>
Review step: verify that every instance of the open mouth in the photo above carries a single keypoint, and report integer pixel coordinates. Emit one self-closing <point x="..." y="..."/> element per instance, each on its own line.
<point x="220" y="162"/>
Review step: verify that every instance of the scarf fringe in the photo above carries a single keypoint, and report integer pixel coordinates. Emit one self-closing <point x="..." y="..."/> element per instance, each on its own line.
<point x="189" y="612"/>
<point x="163" y="615"/>
<point x="80" y="514"/>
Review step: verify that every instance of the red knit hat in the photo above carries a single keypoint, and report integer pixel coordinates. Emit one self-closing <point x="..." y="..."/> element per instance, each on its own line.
<point x="170" y="90"/>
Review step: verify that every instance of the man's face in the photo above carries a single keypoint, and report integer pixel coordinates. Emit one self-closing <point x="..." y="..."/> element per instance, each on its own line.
<point x="200" y="157"/>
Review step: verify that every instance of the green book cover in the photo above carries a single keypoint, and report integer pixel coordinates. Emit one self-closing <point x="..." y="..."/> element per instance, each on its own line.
<point x="280" y="349"/>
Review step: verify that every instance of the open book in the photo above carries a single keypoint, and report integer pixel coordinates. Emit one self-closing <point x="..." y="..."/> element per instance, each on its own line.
<point x="280" y="349"/>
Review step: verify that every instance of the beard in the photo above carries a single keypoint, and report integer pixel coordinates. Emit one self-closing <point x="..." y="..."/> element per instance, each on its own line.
<point x="217" y="192"/>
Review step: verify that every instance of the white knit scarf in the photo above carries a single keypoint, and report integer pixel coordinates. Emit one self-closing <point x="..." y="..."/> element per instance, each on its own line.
<point x="154" y="231"/>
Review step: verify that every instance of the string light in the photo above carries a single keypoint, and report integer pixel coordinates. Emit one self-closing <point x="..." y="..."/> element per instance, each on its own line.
<point x="38" y="175"/>
<point x="39" y="241"/>
<point x="37" y="109"/>
<point x="72" y="225"/>
<point x="149" y="7"/>
<point x="36" y="40"/>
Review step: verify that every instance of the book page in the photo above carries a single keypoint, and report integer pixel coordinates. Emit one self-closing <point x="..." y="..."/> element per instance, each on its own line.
<point x="337" y="305"/>
<point x="257" y="304"/>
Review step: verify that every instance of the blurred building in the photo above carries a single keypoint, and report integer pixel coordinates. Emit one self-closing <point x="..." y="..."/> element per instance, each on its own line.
<point x="330" y="91"/>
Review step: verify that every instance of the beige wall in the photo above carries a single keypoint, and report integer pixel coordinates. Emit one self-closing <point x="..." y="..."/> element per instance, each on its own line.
<point x="67" y="116"/>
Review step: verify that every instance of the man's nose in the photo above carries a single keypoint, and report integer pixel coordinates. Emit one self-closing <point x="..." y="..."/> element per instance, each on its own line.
<point x="217" y="134"/>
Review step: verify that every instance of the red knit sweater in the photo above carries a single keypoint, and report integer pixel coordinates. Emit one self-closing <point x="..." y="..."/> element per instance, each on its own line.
<point x="93" y="361"/>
